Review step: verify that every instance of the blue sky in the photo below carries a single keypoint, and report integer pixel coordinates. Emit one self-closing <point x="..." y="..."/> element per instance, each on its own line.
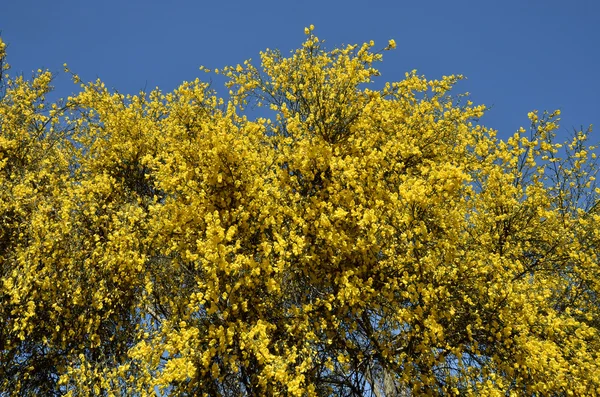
<point x="517" y="55"/>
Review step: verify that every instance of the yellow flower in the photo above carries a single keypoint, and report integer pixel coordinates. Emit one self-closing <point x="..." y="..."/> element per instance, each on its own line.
<point x="194" y="247"/>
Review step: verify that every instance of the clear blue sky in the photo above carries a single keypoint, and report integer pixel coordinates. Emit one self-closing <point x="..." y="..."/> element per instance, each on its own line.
<point x="518" y="55"/>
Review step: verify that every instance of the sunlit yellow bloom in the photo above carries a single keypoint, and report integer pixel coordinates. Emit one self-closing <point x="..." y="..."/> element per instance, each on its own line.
<point x="178" y="243"/>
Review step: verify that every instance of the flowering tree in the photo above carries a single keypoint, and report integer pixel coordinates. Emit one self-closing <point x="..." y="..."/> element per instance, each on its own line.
<point x="351" y="241"/>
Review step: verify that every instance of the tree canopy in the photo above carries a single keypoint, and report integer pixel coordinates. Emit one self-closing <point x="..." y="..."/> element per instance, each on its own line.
<point x="305" y="235"/>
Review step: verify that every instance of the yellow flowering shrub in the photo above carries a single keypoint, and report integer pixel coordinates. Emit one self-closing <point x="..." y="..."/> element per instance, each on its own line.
<point x="307" y="235"/>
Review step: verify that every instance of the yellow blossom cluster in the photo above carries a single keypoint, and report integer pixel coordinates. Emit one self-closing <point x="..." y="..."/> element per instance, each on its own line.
<point x="306" y="236"/>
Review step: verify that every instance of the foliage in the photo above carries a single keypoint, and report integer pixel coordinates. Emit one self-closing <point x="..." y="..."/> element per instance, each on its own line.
<point x="350" y="241"/>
